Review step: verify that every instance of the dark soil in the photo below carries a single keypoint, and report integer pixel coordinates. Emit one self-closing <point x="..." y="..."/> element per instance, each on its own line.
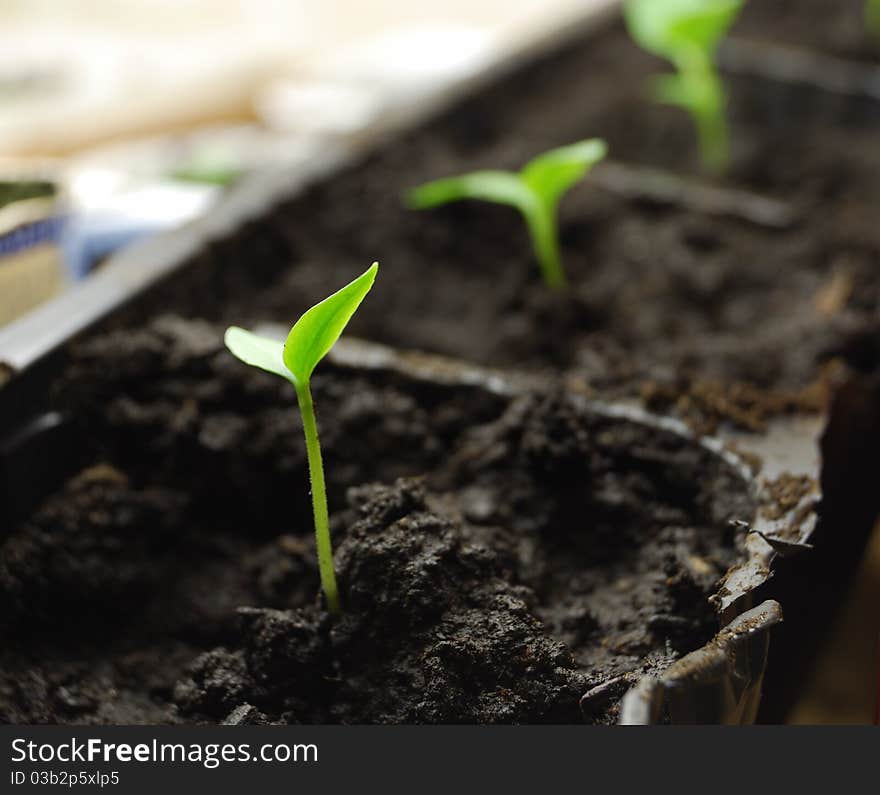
<point x="498" y="558"/>
<point x="836" y="27"/>
<point x="660" y="293"/>
<point x="542" y="550"/>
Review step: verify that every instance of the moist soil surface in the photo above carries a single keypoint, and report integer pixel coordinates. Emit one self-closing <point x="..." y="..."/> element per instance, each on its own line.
<point x="661" y="292"/>
<point x="499" y="558"/>
<point x="834" y="27"/>
<point x="524" y="552"/>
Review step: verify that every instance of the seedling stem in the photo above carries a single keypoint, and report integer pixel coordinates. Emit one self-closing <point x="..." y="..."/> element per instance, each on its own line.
<point x="541" y="223"/>
<point x="319" y="497"/>
<point x="872" y="17"/>
<point x="687" y="33"/>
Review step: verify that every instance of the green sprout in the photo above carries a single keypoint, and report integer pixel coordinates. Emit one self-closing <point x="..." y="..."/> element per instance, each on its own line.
<point x="311" y="337"/>
<point x="535" y="191"/>
<point x="687" y="33"/>
<point x="872" y="16"/>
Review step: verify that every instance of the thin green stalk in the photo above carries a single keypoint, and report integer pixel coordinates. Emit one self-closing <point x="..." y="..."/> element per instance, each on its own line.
<point x="711" y="117"/>
<point x="714" y="144"/>
<point x="704" y="97"/>
<point x="872" y="17"/>
<point x="309" y="341"/>
<point x="319" y="498"/>
<point x="541" y="221"/>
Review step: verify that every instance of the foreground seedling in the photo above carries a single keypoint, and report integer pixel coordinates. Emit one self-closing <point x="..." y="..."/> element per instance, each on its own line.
<point x="687" y="33"/>
<point x="311" y="337"/>
<point x="535" y="191"/>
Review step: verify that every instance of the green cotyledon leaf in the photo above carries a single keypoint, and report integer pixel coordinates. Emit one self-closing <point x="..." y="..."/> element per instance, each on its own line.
<point x="665" y="27"/>
<point x="309" y="339"/>
<point x="256" y="351"/>
<point x="315" y="333"/>
<point x="552" y="173"/>
<point x="501" y="187"/>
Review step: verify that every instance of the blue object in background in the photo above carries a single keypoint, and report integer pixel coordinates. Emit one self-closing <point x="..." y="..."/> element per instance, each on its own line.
<point x="91" y="235"/>
<point x="34" y="233"/>
<point x="88" y="239"/>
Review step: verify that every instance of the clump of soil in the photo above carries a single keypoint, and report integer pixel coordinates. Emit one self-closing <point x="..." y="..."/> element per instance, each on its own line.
<point x="559" y="552"/>
<point x="97" y="540"/>
<point x="786" y="492"/>
<point x="707" y="403"/>
<point x="432" y="634"/>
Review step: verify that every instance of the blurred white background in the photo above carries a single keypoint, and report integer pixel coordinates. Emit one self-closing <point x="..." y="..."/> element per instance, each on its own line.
<point x="77" y="72"/>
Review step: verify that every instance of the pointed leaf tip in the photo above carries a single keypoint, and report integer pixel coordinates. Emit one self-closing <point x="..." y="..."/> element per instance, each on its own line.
<point x="552" y="173"/>
<point x="316" y="332"/>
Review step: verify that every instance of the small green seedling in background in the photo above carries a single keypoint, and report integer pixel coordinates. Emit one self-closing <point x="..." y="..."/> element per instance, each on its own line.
<point x="535" y="191"/>
<point x="687" y="33"/>
<point x="872" y="16"/>
<point x="311" y="337"/>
